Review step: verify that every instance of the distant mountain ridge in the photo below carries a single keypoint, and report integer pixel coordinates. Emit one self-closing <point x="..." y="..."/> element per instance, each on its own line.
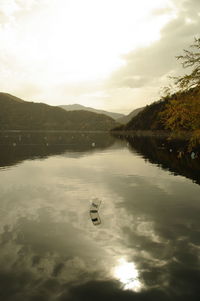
<point x="17" y="114"/>
<point x="125" y="119"/>
<point x="78" y="107"/>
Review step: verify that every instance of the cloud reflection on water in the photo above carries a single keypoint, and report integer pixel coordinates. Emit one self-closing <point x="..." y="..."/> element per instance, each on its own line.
<point x="51" y="250"/>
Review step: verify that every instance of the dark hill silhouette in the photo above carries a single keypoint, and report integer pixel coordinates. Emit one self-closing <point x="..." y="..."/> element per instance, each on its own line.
<point x="10" y="97"/>
<point x="147" y="119"/>
<point x="17" y="114"/>
<point x="127" y="118"/>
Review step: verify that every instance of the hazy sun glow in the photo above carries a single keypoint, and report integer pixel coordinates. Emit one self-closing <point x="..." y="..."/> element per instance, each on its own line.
<point x="128" y="275"/>
<point x="79" y="40"/>
<point x="51" y="46"/>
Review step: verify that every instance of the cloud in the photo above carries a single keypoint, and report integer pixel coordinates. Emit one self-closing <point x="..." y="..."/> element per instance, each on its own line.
<point x="44" y="62"/>
<point x="147" y="66"/>
<point x="2" y="18"/>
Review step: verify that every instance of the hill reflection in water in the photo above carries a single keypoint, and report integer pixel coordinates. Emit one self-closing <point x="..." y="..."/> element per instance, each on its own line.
<point x="172" y="155"/>
<point x="17" y="146"/>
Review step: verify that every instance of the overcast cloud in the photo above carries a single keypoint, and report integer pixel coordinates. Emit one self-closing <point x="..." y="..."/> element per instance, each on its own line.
<point x="34" y="65"/>
<point x="150" y="67"/>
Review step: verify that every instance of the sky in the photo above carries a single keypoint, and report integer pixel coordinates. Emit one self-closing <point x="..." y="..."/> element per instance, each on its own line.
<point x="115" y="55"/>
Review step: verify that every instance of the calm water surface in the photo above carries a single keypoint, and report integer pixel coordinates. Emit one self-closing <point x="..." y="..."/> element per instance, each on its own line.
<point x="147" y="246"/>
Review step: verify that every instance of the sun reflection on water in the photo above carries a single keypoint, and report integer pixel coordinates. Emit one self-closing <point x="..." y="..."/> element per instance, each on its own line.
<point x="128" y="275"/>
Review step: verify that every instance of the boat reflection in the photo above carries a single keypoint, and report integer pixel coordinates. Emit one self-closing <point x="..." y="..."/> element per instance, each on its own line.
<point x="94" y="215"/>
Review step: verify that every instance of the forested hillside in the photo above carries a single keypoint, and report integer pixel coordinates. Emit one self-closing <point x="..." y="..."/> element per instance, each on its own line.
<point x="16" y="114"/>
<point x="147" y="119"/>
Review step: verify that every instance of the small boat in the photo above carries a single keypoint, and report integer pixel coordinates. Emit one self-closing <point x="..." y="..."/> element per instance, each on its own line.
<point x="94" y="211"/>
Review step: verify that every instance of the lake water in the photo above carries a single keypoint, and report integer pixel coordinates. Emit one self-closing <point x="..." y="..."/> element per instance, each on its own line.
<point x="147" y="246"/>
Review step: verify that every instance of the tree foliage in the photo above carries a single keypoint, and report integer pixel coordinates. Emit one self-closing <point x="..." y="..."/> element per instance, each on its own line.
<point x="190" y="59"/>
<point x="182" y="112"/>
